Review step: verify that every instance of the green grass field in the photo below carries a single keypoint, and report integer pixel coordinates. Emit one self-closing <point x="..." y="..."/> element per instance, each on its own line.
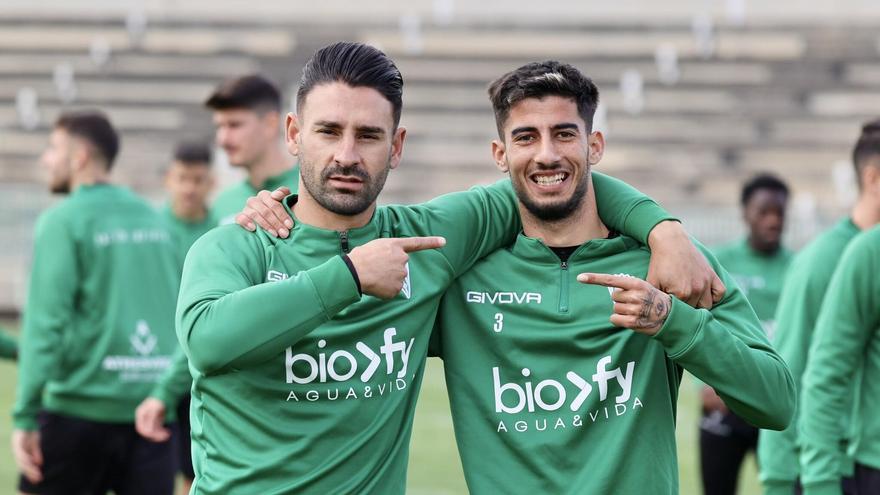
<point x="434" y="467"/>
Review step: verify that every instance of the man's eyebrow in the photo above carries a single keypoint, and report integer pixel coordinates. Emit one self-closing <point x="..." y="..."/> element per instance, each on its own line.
<point x="328" y="123"/>
<point x="566" y="125"/>
<point x="371" y="129"/>
<point x="519" y="130"/>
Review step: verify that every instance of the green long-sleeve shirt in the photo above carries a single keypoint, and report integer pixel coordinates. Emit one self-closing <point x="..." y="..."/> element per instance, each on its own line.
<point x="176" y="380"/>
<point x="302" y="385"/>
<point x="8" y="346"/>
<point x="232" y="200"/>
<point x="846" y="344"/>
<point x="548" y="396"/>
<point x="99" y="319"/>
<point x="759" y="275"/>
<point x="803" y="290"/>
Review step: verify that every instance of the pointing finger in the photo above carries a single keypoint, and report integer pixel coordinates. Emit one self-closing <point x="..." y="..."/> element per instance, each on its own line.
<point x="411" y="244"/>
<point x="616" y="281"/>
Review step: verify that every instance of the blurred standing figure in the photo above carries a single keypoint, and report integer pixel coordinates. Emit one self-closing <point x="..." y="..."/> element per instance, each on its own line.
<point x="189" y="181"/>
<point x="802" y="298"/>
<point x="247" y="118"/>
<point x="758" y="264"/>
<point x="98" y="326"/>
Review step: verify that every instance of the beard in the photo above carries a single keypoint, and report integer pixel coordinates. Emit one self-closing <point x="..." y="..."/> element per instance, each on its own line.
<point x="553" y="211"/>
<point x="347" y="203"/>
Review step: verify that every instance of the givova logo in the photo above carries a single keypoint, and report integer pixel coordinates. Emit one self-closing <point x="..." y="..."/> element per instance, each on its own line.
<point x="341" y="365"/>
<point x="531" y="395"/>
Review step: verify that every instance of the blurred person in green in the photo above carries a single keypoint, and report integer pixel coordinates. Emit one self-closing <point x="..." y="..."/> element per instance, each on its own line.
<point x="802" y="297"/>
<point x="247" y="118"/>
<point x="846" y="344"/>
<point x="188" y="181"/>
<point x="757" y="263"/>
<point x="98" y="327"/>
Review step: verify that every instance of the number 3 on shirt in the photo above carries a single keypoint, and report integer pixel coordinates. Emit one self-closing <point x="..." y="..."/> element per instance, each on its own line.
<point x="499" y="322"/>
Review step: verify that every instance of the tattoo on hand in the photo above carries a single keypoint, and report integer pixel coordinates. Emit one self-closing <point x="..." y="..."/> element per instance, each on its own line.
<point x="654" y="310"/>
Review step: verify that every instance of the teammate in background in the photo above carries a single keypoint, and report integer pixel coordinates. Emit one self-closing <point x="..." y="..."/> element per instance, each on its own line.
<point x="846" y="345"/>
<point x="321" y="398"/>
<point x="189" y="182"/>
<point x="802" y="293"/>
<point x="8" y="346"/>
<point x="547" y="395"/>
<point x="98" y="326"/>
<point x="758" y="264"/>
<point x="247" y="117"/>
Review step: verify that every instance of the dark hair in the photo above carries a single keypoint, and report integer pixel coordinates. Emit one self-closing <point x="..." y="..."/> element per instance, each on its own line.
<point x="867" y="147"/>
<point x="540" y="79"/>
<point x="253" y="92"/>
<point x="357" y="65"/>
<point x="762" y="181"/>
<point x="94" y="127"/>
<point x="193" y="153"/>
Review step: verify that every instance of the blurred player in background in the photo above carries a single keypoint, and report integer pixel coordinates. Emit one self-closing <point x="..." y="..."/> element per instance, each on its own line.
<point x="189" y="181"/>
<point x="247" y="118"/>
<point x="846" y="344"/>
<point x="98" y="326"/>
<point x="758" y="264"/>
<point x="802" y="294"/>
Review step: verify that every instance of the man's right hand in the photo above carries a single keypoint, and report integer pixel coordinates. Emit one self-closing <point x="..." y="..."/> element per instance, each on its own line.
<point x="265" y="209"/>
<point x="381" y="263"/>
<point x="149" y="420"/>
<point x="28" y="455"/>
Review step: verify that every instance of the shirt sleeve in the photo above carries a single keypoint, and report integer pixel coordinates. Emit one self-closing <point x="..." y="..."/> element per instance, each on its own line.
<point x="225" y="298"/>
<point x="847" y="320"/>
<point x="727" y="349"/>
<point x="175" y="381"/>
<point x="479" y="221"/>
<point x="52" y="293"/>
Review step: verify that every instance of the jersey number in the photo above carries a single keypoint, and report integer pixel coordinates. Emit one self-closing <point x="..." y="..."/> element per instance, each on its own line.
<point x="499" y="322"/>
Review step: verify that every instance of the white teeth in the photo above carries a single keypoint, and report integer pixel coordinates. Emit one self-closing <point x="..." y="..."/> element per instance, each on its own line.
<point x="549" y="180"/>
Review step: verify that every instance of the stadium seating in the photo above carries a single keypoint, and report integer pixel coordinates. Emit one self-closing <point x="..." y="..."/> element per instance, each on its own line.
<point x="782" y="97"/>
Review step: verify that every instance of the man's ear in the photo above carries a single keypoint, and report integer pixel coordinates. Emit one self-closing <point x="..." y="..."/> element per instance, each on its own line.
<point x="596" y="143"/>
<point x="397" y="146"/>
<point x="499" y="154"/>
<point x="292" y="133"/>
<point x="81" y="153"/>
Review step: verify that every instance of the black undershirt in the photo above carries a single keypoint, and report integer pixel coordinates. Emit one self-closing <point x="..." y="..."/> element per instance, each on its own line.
<point x="565" y="252"/>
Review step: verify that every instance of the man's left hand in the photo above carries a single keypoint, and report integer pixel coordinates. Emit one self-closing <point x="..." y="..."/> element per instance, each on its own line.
<point x="679" y="268"/>
<point x="638" y="305"/>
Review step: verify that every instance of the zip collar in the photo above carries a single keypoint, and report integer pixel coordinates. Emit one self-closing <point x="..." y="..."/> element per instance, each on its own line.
<point x="534" y="250"/>
<point x="343" y="241"/>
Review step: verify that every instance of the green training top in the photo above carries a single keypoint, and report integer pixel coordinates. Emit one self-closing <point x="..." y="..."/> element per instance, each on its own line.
<point x="759" y="276"/>
<point x="232" y="200"/>
<point x="803" y="290"/>
<point x="8" y="346"/>
<point x="185" y="232"/>
<point x="846" y="344"/>
<point x="548" y="396"/>
<point x="302" y="385"/>
<point x="176" y="380"/>
<point x="99" y="320"/>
